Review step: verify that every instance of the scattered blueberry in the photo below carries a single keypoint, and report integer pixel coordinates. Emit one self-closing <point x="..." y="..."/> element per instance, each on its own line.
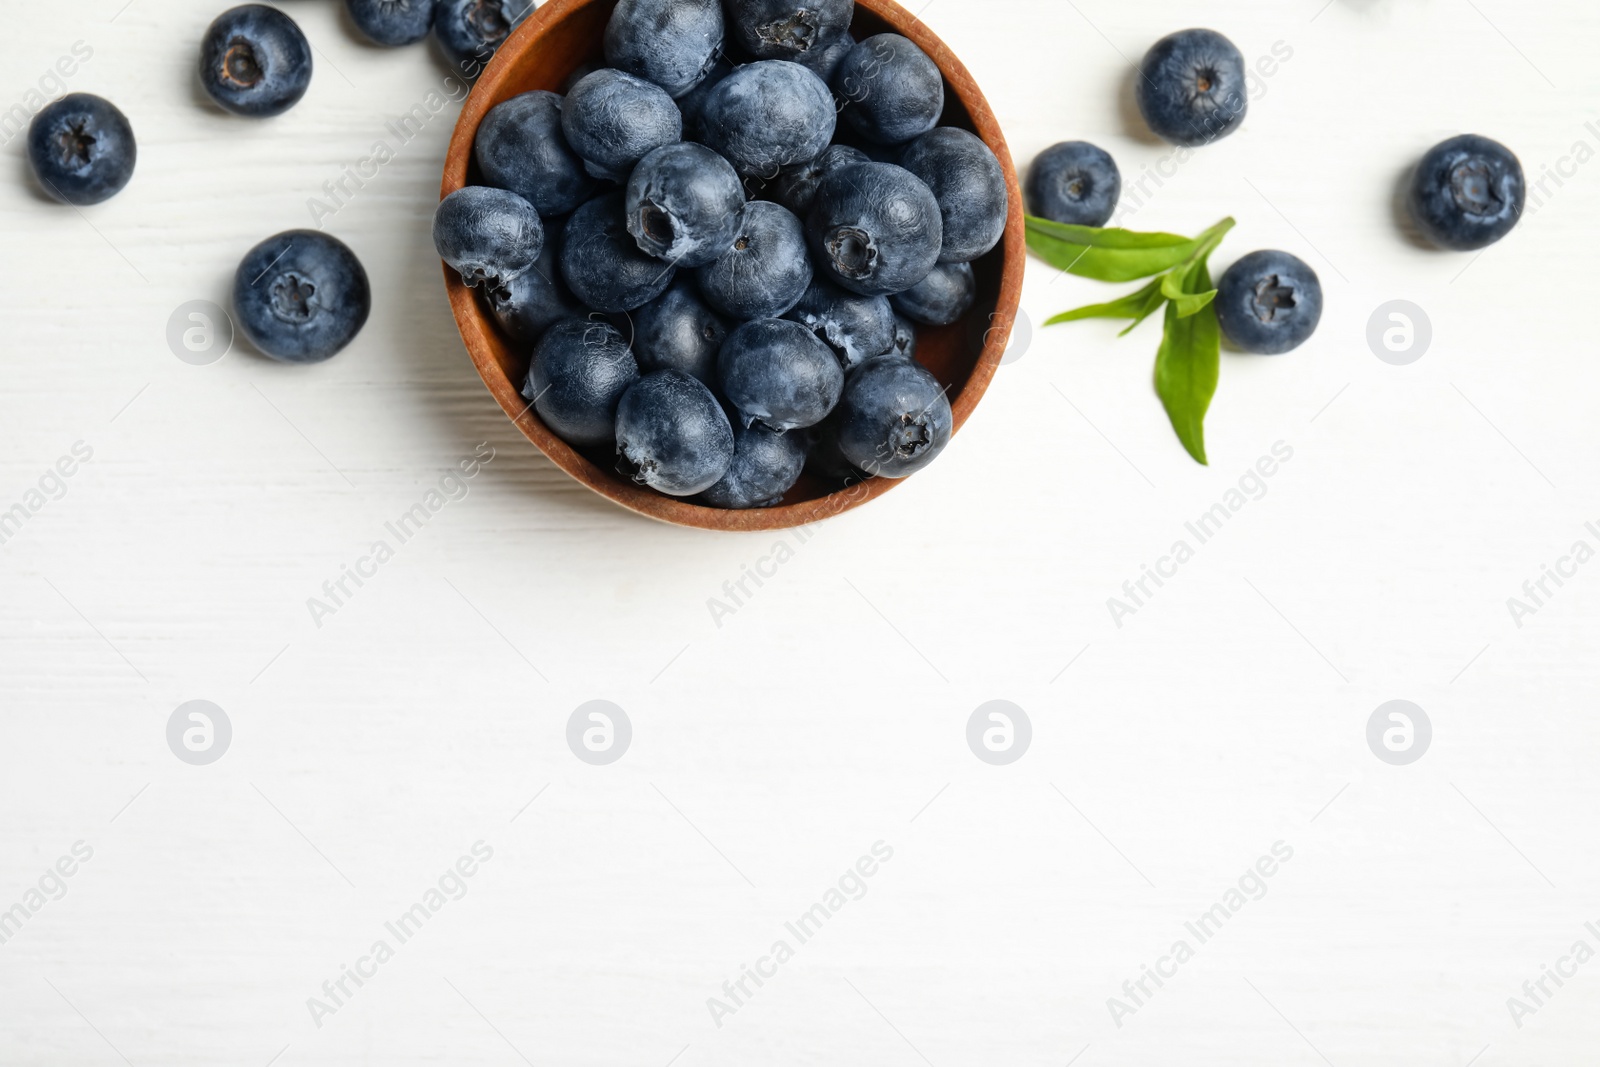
<point x="905" y="339"/>
<point x="254" y="61"/>
<point x="946" y="294"/>
<point x="766" y="464"/>
<point x="602" y="263"/>
<point x="893" y="91"/>
<point x="1468" y="193"/>
<point x="580" y="369"/>
<point x="672" y="435"/>
<point x="613" y="120"/>
<point x="875" y="228"/>
<point x="684" y="204"/>
<point x="777" y="372"/>
<point x="1269" y="303"/>
<point x="673" y="43"/>
<point x="1191" y="87"/>
<point x="488" y="236"/>
<point x="469" y="32"/>
<point x="301" y="296"/>
<point x="765" y="271"/>
<point x="392" y="22"/>
<point x="81" y="149"/>
<point x="786" y="29"/>
<point x="797" y="184"/>
<point x="893" y="418"/>
<point x="967" y="181"/>
<point x="855" y="327"/>
<point x="677" y="331"/>
<point x="1076" y="183"/>
<point x="520" y="146"/>
<point x="529" y="304"/>
<point x="766" y="115"/>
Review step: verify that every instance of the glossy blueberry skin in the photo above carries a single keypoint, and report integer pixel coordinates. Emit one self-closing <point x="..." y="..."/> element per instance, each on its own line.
<point x="893" y="419"/>
<point x="684" y="204"/>
<point x="894" y="93"/>
<point x="855" y="327"/>
<point x="81" y="149"/>
<point x="301" y="296"/>
<point x="254" y="61"/>
<point x="672" y="435"/>
<point x="767" y="115"/>
<point x="469" y="32"/>
<point x="787" y="29"/>
<point x="905" y="339"/>
<point x="488" y="236"/>
<point x="946" y="294"/>
<point x="529" y="304"/>
<point x="392" y="22"/>
<point x="613" y="120"/>
<point x="875" y="229"/>
<point x="673" y="43"/>
<point x="970" y="186"/>
<point x="677" y="331"/>
<point x="797" y="184"/>
<point x="766" y="464"/>
<point x="520" y="146"/>
<point x="1269" y="303"/>
<point x="1191" y="88"/>
<point x="580" y="369"/>
<point x="778" y="373"/>
<point x="1467" y="193"/>
<point x="1074" y="182"/>
<point x="602" y="263"/>
<point x="765" y="271"/>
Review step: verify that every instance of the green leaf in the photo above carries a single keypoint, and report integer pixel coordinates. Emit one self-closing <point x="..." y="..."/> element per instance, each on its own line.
<point x="1193" y="303"/>
<point x="1188" y="362"/>
<point x="1106" y="255"/>
<point x="1136" y="306"/>
<point x="1098" y="237"/>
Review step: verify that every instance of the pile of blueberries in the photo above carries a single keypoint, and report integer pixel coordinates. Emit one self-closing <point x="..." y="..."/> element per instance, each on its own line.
<point x="719" y="246"/>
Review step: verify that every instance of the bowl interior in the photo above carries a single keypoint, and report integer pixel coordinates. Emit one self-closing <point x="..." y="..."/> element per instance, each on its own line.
<point x="563" y="35"/>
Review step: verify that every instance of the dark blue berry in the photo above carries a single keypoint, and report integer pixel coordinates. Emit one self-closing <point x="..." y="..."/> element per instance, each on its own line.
<point x="905" y="339"/>
<point x="893" y="91"/>
<point x="673" y="43"/>
<point x="693" y="103"/>
<point x="855" y="327"/>
<point x="392" y="22"/>
<point x="672" y="435"/>
<point x="824" y="59"/>
<point x="777" y="372"/>
<point x="1269" y="303"/>
<point x="826" y="461"/>
<point x="1074" y="182"/>
<point x="613" y="120"/>
<point x="469" y="32"/>
<point x="684" y="204"/>
<point x="798" y="183"/>
<point x="1467" y="193"/>
<point x="677" y="331"/>
<point x="765" y="271"/>
<point x="875" y="228"/>
<point x="301" y="296"/>
<point x="1191" y="87"/>
<point x="766" y="115"/>
<point x="520" y="146"/>
<point x="787" y="29"/>
<point x="893" y="418"/>
<point x="254" y="61"/>
<point x="529" y="304"/>
<point x="970" y="186"/>
<point x="602" y="263"/>
<point x="946" y="294"/>
<point x="488" y="236"/>
<point x="580" y="369"/>
<point x="81" y="149"/>
<point x="766" y="464"/>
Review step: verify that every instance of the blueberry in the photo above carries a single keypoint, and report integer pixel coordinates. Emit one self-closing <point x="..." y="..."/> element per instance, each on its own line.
<point x="1269" y="303"/>
<point x="580" y="369"/>
<point x="765" y="271"/>
<point x="905" y="339"/>
<point x="520" y="146"/>
<point x="797" y="184"/>
<point x="1191" y="87"/>
<point x="967" y="181"/>
<point x="672" y="435"/>
<point x="875" y="228"/>
<point x="488" y="236"/>
<point x="766" y="115"/>
<point x="824" y="59"/>
<point x="1074" y="182"/>
<point x="777" y="372"/>
<point x="301" y="296"/>
<point x="684" y="204"/>
<point x="1467" y="193"/>
<point x="469" y="32"/>
<point x="946" y="294"/>
<point x="677" y="331"/>
<point x="602" y="263"/>
<point x="693" y="103"/>
<point x="392" y="22"/>
<point x="254" y="61"/>
<point x="81" y="149"/>
<point x="893" y="418"/>
<point x="787" y="29"/>
<point x="529" y="304"/>
<point x="826" y="461"/>
<point x="855" y="327"/>
<point x="893" y="91"/>
<point x="613" y="120"/>
<point x="673" y="43"/>
<point x="766" y="464"/>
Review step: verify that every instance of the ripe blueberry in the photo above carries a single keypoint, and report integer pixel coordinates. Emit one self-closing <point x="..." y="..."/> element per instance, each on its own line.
<point x="1269" y="303"/>
<point x="693" y="103"/>
<point x="1467" y="193"/>
<point x="893" y="91"/>
<point x="254" y="61"/>
<point x="893" y="418"/>
<point x="684" y="204"/>
<point x="392" y="22"/>
<point x="967" y="181"/>
<point x="765" y="271"/>
<point x="580" y="369"/>
<point x="875" y="228"/>
<point x="824" y="59"/>
<point x="520" y="146"/>
<point x="81" y="149"/>
<point x="301" y="296"/>
<point x="905" y="339"/>
<point x="766" y="464"/>
<point x="677" y="331"/>
<point x="787" y="29"/>
<point x="1074" y="182"/>
<point x="946" y="294"/>
<point x="673" y="43"/>
<point x="529" y="304"/>
<point x="797" y="184"/>
<point x="613" y="120"/>
<point x="766" y="115"/>
<point x="602" y="263"/>
<point x="672" y="435"/>
<point x="488" y="236"/>
<point x="469" y="32"/>
<point x="855" y="327"/>
<point x="1191" y="88"/>
<point x="777" y="372"/>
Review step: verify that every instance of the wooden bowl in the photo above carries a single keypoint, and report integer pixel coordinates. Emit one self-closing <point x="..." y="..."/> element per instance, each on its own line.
<point x="553" y="42"/>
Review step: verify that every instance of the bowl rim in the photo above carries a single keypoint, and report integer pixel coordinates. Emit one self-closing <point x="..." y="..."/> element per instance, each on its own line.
<point x="477" y="330"/>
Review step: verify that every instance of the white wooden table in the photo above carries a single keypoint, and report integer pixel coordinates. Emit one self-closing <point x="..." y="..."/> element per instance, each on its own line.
<point x="829" y="712"/>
